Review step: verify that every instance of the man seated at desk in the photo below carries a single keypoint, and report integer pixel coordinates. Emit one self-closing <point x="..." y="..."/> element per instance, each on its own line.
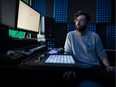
<point x="86" y="47"/>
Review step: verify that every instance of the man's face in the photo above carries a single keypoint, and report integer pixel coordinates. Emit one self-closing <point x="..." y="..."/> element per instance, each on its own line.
<point x="81" y="23"/>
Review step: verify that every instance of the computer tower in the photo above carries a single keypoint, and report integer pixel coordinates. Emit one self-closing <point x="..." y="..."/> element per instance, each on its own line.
<point x="60" y="34"/>
<point x="48" y="28"/>
<point x="55" y="33"/>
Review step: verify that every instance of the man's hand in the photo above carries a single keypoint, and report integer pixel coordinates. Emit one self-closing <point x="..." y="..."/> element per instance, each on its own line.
<point x="109" y="68"/>
<point x="69" y="75"/>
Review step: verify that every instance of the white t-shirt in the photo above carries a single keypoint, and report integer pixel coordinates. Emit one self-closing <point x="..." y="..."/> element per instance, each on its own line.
<point x="86" y="49"/>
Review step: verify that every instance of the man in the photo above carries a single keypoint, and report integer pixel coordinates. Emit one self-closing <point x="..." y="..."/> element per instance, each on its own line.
<point x="86" y="47"/>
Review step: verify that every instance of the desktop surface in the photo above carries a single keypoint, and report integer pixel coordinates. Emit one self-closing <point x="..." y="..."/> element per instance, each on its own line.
<point x="49" y="61"/>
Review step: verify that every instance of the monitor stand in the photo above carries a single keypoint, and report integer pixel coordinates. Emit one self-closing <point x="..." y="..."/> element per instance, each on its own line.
<point x="28" y="35"/>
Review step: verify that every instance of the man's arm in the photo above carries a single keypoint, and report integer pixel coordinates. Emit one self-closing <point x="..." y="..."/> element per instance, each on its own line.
<point x="67" y="46"/>
<point x="105" y="61"/>
<point x="102" y="54"/>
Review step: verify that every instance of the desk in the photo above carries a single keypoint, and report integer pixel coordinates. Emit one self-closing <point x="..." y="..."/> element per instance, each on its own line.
<point x="58" y="61"/>
<point x="44" y="72"/>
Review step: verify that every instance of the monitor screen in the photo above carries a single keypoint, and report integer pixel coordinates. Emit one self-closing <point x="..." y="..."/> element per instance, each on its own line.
<point x="28" y="18"/>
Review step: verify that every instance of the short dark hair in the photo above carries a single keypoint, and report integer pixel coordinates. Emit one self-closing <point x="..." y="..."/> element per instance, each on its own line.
<point x="80" y="12"/>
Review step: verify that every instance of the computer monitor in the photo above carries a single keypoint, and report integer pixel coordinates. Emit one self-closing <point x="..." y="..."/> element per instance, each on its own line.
<point x="41" y="34"/>
<point x="8" y="11"/>
<point x="18" y="15"/>
<point x="28" y="19"/>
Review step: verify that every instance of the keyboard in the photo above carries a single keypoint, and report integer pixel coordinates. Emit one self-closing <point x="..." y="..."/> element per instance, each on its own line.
<point x="37" y="48"/>
<point x="30" y="51"/>
<point x="62" y="59"/>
